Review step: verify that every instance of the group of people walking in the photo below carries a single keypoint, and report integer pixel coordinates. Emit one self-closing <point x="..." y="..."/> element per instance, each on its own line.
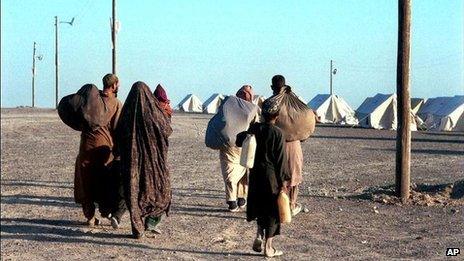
<point x="278" y="166"/>
<point x="123" y="165"/>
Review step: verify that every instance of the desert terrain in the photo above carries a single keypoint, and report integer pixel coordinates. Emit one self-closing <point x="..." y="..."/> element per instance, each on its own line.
<point x="350" y="212"/>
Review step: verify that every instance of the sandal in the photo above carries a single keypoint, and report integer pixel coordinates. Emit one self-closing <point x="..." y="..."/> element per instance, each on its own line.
<point x="274" y="254"/>
<point x="138" y="235"/>
<point x="114" y="222"/>
<point x="258" y="245"/>
<point x="93" y="222"/>
<point x="296" y="210"/>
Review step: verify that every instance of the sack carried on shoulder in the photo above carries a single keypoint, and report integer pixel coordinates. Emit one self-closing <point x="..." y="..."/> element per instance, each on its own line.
<point x="247" y="158"/>
<point x="283" y="203"/>
<point x="233" y="116"/>
<point x="296" y="120"/>
<point x="84" y="110"/>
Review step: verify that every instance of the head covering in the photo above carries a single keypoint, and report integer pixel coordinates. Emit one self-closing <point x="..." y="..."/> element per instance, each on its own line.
<point x="245" y="93"/>
<point x="162" y="97"/>
<point x="270" y="106"/>
<point x="161" y="94"/>
<point x="142" y="143"/>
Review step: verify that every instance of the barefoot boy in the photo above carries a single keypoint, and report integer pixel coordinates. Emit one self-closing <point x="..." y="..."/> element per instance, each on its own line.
<point x="267" y="178"/>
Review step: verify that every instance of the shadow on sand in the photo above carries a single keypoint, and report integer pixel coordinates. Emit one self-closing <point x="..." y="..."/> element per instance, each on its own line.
<point x="205" y="211"/>
<point x="198" y="193"/>
<point x="202" y="210"/>
<point x="39" y="200"/>
<point x="65" y="231"/>
<point x="36" y="183"/>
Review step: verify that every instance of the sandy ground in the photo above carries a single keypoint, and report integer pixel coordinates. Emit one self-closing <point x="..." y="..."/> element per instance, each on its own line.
<point x="345" y="170"/>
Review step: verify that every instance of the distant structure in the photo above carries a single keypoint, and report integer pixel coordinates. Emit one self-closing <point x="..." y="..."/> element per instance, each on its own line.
<point x="333" y="109"/>
<point x="380" y="112"/>
<point x="443" y="113"/>
<point x="190" y="103"/>
<point x="212" y="104"/>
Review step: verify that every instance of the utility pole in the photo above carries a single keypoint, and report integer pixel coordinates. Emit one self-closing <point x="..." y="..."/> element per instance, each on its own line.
<point x="331" y="71"/>
<point x="56" y="57"/>
<point x="56" y="62"/>
<point x="33" y="76"/>
<point x="113" y="37"/>
<point x="403" y="134"/>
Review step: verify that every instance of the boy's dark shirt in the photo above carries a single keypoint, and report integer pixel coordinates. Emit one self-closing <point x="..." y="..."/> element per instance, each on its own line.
<point x="269" y="169"/>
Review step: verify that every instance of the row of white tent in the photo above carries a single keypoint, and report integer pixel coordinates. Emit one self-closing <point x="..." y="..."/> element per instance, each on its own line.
<point x="192" y="103"/>
<point x="378" y="112"/>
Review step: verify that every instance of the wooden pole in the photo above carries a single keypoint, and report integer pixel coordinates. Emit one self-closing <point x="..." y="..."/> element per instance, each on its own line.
<point x="56" y="63"/>
<point x="331" y="70"/>
<point x="403" y="136"/>
<point x="113" y="37"/>
<point x="33" y="76"/>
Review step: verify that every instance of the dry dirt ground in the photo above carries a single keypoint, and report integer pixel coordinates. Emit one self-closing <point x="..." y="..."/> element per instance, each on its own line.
<point x="348" y="175"/>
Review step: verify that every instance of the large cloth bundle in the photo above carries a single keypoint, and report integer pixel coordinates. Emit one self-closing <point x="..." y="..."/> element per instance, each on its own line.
<point x="296" y="120"/>
<point x="234" y="116"/>
<point x="84" y="110"/>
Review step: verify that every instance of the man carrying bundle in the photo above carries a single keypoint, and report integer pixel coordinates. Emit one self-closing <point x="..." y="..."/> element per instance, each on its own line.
<point x="234" y="116"/>
<point x="297" y="122"/>
<point x="235" y="178"/>
<point x="95" y="155"/>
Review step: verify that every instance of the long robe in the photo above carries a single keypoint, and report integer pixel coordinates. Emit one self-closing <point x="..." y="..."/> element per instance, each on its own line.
<point x="294" y="155"/>
<point x="95" y="153"/>
<point x="266" y="177"/>
<point x="234" y="174"/>
<point x="143" y="146"/>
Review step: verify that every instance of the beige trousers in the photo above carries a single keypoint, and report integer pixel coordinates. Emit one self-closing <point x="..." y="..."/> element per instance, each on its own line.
<point x="235" y="175"/>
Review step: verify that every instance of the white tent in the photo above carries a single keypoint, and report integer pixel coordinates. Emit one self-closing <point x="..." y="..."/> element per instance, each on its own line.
<point x="333" y="109"/>
<point x="258" y="100"/>
<point x="212" y="103"/>
<point x="301" y="99"/>
<point x="444" y="113"/>
<point x="432" y="105"/>
<point x="379" y="112"/>
<point x="190" y="103"/>
<point x="416" y="104"/>
<point x="460" y="124"/>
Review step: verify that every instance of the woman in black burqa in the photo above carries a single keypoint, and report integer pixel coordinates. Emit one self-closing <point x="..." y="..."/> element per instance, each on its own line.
<point x="142" y="143"/>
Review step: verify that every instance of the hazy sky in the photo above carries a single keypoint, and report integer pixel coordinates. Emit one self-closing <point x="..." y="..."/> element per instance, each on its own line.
<point x="208" y="46"/>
